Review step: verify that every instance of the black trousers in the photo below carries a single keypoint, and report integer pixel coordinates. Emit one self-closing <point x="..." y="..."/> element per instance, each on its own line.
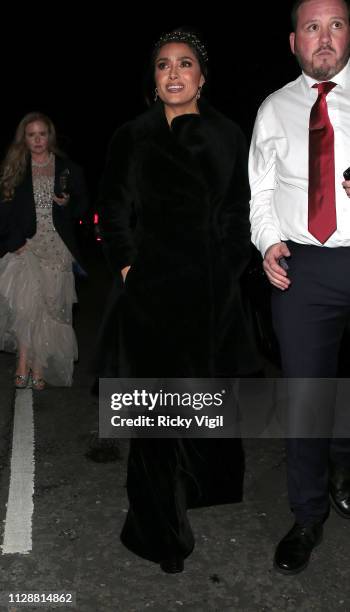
<point x="309" y="320"/>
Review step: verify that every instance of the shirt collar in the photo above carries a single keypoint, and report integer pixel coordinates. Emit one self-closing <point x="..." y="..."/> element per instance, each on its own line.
<point x="342" y="78"/>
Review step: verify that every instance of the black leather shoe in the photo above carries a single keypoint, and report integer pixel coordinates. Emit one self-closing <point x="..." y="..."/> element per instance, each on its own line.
<point x="173" y="565"/>
<point x="294" y="550"/>
<point x="339" y="489"/>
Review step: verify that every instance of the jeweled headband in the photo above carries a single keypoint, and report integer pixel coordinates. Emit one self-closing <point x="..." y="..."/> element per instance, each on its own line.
<point x="185" y="37"/>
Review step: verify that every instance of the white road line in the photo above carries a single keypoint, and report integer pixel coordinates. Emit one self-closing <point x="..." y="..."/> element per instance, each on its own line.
<point x="18" y="522"/>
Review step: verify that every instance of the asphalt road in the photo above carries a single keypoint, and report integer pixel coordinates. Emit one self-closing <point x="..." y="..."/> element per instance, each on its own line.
<point x="80" y="505"/>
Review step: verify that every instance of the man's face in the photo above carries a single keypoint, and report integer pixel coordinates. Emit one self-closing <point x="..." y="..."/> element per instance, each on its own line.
<point x="321" y="41"/>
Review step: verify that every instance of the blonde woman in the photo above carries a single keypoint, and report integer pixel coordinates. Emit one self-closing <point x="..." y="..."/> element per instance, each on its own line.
<point x="41" y="193"/>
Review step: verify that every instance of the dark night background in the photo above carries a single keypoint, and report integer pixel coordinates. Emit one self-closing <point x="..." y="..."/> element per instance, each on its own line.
<point x="84" y="67"/>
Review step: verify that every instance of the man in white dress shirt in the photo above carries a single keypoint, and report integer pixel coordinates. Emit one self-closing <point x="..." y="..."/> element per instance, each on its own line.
<point x="308" y="266"/>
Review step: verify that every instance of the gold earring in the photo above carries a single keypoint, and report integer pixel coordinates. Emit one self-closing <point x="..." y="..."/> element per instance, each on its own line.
<point x="155" y="95"/>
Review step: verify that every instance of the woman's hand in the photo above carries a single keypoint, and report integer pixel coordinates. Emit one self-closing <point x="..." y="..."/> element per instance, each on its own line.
<point x="62" y="200"/>
<point x="20" y="250"/>
<point x="124" y="272"/>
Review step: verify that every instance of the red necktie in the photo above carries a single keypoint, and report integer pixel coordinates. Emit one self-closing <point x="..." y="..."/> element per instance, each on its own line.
<point x="322" y="219"/>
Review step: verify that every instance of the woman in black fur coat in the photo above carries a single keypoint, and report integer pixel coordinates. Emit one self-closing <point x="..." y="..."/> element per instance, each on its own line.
<point x="174" y="216"/>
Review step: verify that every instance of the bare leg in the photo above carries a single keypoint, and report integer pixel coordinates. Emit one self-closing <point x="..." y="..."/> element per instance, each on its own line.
<point x="38" y="382"/>
<point x="22" y="366"/>
<point x="22" y="370"/>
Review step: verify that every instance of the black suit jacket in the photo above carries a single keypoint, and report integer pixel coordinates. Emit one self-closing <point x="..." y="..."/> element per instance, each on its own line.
<point x="18" y="217"/>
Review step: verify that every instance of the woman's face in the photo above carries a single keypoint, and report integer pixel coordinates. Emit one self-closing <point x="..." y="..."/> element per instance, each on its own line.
<point x="177" y="77"/>
<point x="37" y="137"/>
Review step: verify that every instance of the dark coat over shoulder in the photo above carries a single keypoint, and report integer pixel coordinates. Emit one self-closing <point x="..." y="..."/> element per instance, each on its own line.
<point x="174" y="205"/>
<point x="18" y="218"/>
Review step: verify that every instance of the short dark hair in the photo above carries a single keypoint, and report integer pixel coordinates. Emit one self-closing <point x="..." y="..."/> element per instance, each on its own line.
<point x="298" y="3"/>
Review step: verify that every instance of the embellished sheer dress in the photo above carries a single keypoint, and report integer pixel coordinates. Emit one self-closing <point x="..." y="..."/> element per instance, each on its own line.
<point x="37" y="292"/>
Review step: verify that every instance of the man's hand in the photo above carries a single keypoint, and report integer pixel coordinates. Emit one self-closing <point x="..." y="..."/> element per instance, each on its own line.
<point x="274" y="272"/>
<point x="346" y="186"/>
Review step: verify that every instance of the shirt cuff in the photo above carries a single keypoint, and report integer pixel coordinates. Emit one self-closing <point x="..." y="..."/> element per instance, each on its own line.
<point x="268" y="238"/>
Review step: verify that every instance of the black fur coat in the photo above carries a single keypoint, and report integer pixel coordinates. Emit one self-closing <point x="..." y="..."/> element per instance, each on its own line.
<point x="174" y="204"/>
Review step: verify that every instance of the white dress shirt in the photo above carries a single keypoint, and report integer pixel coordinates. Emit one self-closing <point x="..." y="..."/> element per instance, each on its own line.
<point x="279" y="165"/>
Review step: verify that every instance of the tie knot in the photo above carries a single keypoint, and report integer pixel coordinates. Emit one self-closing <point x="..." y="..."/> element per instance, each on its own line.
<point x="324" y="88"/>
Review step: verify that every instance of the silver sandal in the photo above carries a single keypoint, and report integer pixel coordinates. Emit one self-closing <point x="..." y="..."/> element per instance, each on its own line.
<point x="22" y="381"/>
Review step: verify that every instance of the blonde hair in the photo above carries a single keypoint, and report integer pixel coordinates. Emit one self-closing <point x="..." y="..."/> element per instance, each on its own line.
<point x="13" y="167"/>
